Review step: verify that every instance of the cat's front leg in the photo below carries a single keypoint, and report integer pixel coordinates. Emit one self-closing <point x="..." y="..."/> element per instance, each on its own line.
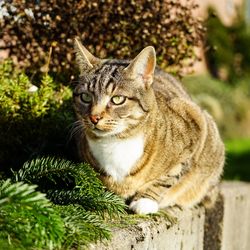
<point x="148" y="200"/>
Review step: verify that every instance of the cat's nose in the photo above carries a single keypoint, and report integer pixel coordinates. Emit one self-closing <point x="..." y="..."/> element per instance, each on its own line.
<point x="95" y="118"/>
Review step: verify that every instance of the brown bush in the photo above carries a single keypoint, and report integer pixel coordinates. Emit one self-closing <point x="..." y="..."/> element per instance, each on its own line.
<point x="108" y="28"/>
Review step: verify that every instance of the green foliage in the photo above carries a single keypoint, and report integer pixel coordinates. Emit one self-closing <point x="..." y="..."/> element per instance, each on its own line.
<point x="238" y="146"/>
<point x="18" y="102"/>
<point x="28" y="219"/>
<point x="70" y="183"/>
<point x="36" y="170"/>
<point x="228" y="56"/>
<point x="119" y="29"/>
<point x="82" y="226"/>
<point x="238" y="158"/>
<point x="31" y="121"/>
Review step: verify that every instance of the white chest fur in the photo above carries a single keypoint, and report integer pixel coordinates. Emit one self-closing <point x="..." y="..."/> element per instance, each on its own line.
<point x="117" y="156"/>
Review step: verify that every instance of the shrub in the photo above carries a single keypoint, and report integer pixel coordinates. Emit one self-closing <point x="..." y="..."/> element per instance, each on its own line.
<point x="33" y="119"/>
<point x="228" y="53"/>
<point x="118" y="29"/>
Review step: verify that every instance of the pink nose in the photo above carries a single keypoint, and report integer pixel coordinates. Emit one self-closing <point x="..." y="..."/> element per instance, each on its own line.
<point x="94" y="118"/>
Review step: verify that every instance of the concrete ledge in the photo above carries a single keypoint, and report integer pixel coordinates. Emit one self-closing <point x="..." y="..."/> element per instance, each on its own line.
<point x="225" y="226"/>
<point x="236" y="218"/>
<point x="213" y="225"/>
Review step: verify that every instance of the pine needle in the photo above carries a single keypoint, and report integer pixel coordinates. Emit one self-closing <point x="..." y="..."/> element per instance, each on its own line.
<point x="80" y="174"/>
<point x="82" y="227"/>
<point x="27" y="217"/>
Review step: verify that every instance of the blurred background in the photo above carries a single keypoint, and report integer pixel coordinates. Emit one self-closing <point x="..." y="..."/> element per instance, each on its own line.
<point x="203" y="42"/>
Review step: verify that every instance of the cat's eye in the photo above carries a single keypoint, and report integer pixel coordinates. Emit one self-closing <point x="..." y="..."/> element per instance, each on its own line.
<point x="118" y="99"/>
<point x="85" y="97"/>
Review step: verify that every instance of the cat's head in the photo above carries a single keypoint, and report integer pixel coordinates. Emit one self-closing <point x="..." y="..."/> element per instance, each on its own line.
<point x="112" y="97"/>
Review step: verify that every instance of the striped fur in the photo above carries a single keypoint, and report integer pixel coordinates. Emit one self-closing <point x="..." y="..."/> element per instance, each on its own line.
<point x="182" y="154"/>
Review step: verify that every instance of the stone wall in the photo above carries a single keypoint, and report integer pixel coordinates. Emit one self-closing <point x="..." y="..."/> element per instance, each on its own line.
<point x="224" y="226"/>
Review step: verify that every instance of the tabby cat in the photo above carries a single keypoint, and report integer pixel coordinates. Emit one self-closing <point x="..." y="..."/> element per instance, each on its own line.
<point x="142" y="132"/>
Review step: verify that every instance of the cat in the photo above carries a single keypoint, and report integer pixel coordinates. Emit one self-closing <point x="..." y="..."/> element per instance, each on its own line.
<point x="141" y="131"/>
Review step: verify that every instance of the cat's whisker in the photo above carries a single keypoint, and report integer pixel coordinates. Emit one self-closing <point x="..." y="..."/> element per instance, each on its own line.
<point x="73" y="124"/>
<point x="77" y="128"/>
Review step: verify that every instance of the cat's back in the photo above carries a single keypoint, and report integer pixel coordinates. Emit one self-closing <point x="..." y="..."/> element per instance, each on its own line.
<point x="176" y="106"/>
<point x="168" y="86"/>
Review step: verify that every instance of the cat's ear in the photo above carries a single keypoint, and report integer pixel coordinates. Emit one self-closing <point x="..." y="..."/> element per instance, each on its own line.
<point x="84" y="58"/>
<point x="143" y="66"/>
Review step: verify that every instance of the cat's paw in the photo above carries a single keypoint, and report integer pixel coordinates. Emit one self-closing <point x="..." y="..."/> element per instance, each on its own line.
<point x="144" y="206"/>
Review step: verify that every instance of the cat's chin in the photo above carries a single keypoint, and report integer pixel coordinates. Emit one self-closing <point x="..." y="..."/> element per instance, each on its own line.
<point x="101" y="133"/>
<point x="105" y="133"/>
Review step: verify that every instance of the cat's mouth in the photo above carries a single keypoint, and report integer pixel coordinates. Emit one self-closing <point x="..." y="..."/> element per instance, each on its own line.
<point x="102" y="128"/>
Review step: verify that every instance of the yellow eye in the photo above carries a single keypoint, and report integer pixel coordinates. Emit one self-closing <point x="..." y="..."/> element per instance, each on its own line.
<point x="85" y="97"/>
<point x="118" y="99"/>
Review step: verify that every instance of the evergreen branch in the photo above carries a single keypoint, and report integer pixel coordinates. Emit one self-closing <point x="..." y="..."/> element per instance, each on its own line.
<point x="85" y="203"/>
<point x="108" y="203"/>
<point x="88" y="191"/>
<point x="20" y="193"/>
<point x="27" y="218"/>
<point x="54" y="169"/>
<point x="82" y="227"/>
<point x="101" y="203"/>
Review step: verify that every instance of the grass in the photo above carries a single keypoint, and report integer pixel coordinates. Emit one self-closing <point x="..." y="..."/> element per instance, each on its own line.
<point x="238" y="159"/>
<point x="238" y="146"/>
